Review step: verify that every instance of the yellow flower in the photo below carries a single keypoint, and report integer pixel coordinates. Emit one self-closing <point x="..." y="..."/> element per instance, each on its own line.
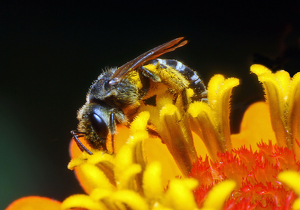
<point x="243" y="171"/>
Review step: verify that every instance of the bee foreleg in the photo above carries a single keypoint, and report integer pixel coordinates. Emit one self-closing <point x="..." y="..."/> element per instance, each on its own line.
<point x="147" y="73"/>
<point x="78" y="142"/>
<point x="112" y="130"/>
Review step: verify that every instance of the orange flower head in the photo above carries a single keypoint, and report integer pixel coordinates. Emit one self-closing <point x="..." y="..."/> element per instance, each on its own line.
<point x="197" y="163"/>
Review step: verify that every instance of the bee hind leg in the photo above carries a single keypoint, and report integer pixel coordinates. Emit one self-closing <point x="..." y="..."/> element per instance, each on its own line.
<point x="185" y="100"/>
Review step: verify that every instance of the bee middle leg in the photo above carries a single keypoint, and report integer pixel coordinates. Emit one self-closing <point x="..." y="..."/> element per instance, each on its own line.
<point x="173" y="79"/>
<point x="147" y="73"/>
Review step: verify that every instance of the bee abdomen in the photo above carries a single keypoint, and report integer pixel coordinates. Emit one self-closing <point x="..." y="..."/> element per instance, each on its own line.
<point x="195" y="81"/>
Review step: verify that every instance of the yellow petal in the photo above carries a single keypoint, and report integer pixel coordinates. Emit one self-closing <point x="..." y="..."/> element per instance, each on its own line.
<point x="211" y="121"/>
<point x="213" y="87"/>
<point x="123" y="158"/>
<point x="179" y="195"/>
<point x="95" y="176"/>
<point x="140" y="122"/>
<point x="157" y="151"/>
<point x="125" y="180"/>
<point x="294" y="111"/>
<point x="105" y="163"/>
<point x="292" y="179"/>
<point x="159" y="206"/>
<point x="177" y="136"/>
<point x="296" y="204"/>
<point x="121" y="137"/>
<point x="218" y="194"/>
<point x="222" y="109"/>
<point x="99" y="193"/>
<point x="275" y="99"/>
<point x="99" y="157"/>
<point x="152" y="183"/>
<point x="284" y="79"/>
<point x="259" y="69"/>
<point x="255" y="127"/>
<point x="78" y="160"/>
<point x="81" y="201"/>
<point x="200" y="146"/>
<point x="202" y="124"/>
<point x="138" y="136"/>
<point x="131" y="199"/>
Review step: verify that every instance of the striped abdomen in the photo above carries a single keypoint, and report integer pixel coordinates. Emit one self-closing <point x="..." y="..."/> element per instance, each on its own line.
<point x="195" y="82"/>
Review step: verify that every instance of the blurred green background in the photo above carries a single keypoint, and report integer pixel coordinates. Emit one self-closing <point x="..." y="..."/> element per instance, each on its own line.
<point x="51" y="52"/>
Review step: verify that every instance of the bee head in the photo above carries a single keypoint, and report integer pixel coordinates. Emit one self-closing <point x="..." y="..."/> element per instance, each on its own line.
<point x="94" y="121"/>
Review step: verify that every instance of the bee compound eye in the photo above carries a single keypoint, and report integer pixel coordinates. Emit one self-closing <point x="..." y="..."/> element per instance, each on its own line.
<point x="98" y="125"/>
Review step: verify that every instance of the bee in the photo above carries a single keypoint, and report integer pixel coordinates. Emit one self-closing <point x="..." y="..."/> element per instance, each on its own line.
<point x="115" y="97"/>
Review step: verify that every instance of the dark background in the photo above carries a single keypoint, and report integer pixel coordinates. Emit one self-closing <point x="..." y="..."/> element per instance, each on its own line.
<point x="51" y="52"/>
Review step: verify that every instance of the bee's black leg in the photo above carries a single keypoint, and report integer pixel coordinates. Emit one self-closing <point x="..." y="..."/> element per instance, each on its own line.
<point x="185" y="101"/>
<point x="112" y="130"/>
<point x="79" y="144"/>
<point x="146" y="84"/>
<point x="204" y="94"/>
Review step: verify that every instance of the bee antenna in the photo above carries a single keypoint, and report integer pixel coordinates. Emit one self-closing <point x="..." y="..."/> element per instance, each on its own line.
<point x="78" y="142"/>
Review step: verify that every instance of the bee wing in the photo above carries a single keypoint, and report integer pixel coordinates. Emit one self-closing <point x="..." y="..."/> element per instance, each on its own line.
<point x="121" y="72"/>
